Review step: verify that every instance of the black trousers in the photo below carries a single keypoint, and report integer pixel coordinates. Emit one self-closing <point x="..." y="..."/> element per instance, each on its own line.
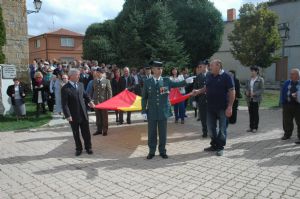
<point x="253" y="114"/>
<point x="232" y="119"/>
<point x="203" y="116"/>
<point x="38" y="108"/>
<point x="51" y="102"/>
<point x="85" y="133"/>
<point x="121" y="120"/>
<point x="289" y="113"/>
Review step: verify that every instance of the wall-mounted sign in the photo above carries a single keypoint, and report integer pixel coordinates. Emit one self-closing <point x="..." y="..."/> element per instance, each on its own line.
<point x="9" y="71"/>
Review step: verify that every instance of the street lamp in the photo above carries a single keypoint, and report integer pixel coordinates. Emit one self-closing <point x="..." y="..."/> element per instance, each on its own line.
<point x="37" y="6"/>
<point x="283" y="29"/>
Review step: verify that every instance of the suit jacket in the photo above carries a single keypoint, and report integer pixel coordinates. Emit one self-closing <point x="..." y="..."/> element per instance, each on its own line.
<point x="258" y="89"/>
<point x="130" y="83"/>
<point x="200" y="82"/>
<point x="73" y="102"/>
<point x="155" y="98"/>
<point x="116" y="86"/>
<point x="11" y="90"/>
<point x="101" y="90"/>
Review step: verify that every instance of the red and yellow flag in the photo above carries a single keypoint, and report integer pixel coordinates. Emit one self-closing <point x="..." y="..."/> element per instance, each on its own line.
<point x="128" y="101"/>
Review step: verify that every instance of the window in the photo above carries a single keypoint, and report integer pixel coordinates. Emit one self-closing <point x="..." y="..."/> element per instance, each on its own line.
<point x="67" y="59"/>
<point x="67" y="42"/>
<point x="37" y="43"/>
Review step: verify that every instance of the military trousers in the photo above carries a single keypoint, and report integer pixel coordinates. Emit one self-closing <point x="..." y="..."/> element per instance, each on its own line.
<point x="154" y="127"/>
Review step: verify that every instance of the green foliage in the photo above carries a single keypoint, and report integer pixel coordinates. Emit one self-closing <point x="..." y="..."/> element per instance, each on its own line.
<point x="2" y="37"/>
<point x="200" y="25"/>
<point x="255" y="37"/>
<point x="98" y="42"/>
<point x="173" y="31"/>
<point x="164" y="43"/>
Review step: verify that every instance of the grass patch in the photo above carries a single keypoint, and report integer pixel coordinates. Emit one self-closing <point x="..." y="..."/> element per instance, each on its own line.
<point x="270" y="99"/>
<point x="10" y="123"/>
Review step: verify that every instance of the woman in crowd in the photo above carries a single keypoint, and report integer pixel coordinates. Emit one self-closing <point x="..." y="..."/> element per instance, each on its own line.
<point x="253" y="91"/>
<point x="17" y="94"/>
<point x="59" y="83"/>
<point x="179" y="108"/>
<point x="39" y="93"/>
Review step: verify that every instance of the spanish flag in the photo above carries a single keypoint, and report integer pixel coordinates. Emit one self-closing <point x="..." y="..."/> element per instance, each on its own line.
<point x="128" y="101"/>
<point x="124" y="101"/>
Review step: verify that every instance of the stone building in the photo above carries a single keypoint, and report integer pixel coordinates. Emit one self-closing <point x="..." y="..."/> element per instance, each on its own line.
<point x="288" y="12"/>
<point x="16" y="49"/>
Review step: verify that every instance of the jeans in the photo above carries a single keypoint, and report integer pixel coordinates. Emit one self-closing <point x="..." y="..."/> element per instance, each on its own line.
<point x="218" y="137"/>
<point x="179" y="110"/>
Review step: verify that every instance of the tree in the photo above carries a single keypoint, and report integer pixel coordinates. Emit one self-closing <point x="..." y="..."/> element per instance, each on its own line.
<point x="200" y="26"/>
<point x="2" y="37"/>
<point x="98" y="43"/>
<point x="164" y="43"/>
<point x="255" y="37"/>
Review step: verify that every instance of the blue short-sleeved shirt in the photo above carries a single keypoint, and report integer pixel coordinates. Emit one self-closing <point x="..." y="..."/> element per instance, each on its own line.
<point x="217" y="88"/>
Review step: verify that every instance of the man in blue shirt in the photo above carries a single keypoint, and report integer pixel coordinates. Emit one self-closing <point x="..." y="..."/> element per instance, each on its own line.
<point x="220" y="94"/>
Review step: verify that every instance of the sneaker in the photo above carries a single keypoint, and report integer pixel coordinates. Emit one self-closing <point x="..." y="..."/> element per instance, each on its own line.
<point x="210" y="149"/>
<point x="220" y="153"/>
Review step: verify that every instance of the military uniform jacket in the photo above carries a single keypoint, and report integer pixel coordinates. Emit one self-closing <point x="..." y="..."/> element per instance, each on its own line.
<point x="102" y="90"/>
<point x="155" y="98"/>
<point x="200" y="82"/>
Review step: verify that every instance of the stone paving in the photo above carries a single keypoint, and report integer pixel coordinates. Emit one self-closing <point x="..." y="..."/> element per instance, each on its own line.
<point x="41" y="164"/>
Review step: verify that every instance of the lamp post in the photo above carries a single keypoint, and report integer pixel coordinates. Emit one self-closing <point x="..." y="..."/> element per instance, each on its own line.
<point x="283" y="29"/>
<point x="37" y="5"/>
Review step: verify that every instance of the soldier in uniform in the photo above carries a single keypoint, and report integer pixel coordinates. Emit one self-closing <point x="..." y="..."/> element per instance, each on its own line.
<point x="101" y="91"/>
<point x="199" y="83"/>
<point x="156" y="107"/>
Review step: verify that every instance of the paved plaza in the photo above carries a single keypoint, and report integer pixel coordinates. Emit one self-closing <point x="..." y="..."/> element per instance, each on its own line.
<point x="41" y="163"/>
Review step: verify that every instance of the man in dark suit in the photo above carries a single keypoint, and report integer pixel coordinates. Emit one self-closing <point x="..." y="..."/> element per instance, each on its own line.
<point x="126" y="82"/>
<point x="73" y="99"/>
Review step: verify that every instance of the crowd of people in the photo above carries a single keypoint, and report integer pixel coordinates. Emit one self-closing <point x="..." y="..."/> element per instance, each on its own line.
<point x="215" y="92"/>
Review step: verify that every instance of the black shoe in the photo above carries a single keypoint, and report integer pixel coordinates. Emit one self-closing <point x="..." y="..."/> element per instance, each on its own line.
<point x="182" y="121"/>
<point x="120" y="123"/>
<point x="128" y="122"/>
<point x="89" y="151"/>
<point x="285" y="138"/>
<point x="254" y="131"/>
<point x="198" y="119"/>
<point x="298" y="142"/>
<point x="150" y="156"/>
<point x="249" y="130"/>
<point x="105" y="134"/>
<point x="78" y="153"/>
<point x="97" y="133"/>
<point x="204" y="135"/>
<point x="164" y="156"/>
<point x="210" y="149"/>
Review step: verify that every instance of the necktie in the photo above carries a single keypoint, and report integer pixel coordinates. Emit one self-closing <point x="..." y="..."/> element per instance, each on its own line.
<point x="75" y="85"/>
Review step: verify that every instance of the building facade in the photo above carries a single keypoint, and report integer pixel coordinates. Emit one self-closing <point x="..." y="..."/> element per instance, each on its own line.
<point x="63" y="45"/>
<point x="288" y="12"/>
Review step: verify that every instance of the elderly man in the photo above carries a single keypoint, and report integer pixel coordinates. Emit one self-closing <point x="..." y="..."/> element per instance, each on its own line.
<point x="290" y="105"/>
<point x="73" y="99"/>
<point x="220" y="95"/>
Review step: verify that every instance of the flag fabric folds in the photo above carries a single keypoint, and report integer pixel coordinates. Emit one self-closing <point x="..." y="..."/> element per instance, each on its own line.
<point x="124" y="101"/>
<point x="128" y="101"/>
<point x="176" y="97"/>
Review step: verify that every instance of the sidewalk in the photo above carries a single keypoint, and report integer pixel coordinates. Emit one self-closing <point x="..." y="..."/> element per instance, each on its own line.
<point x="42" y="164"/>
